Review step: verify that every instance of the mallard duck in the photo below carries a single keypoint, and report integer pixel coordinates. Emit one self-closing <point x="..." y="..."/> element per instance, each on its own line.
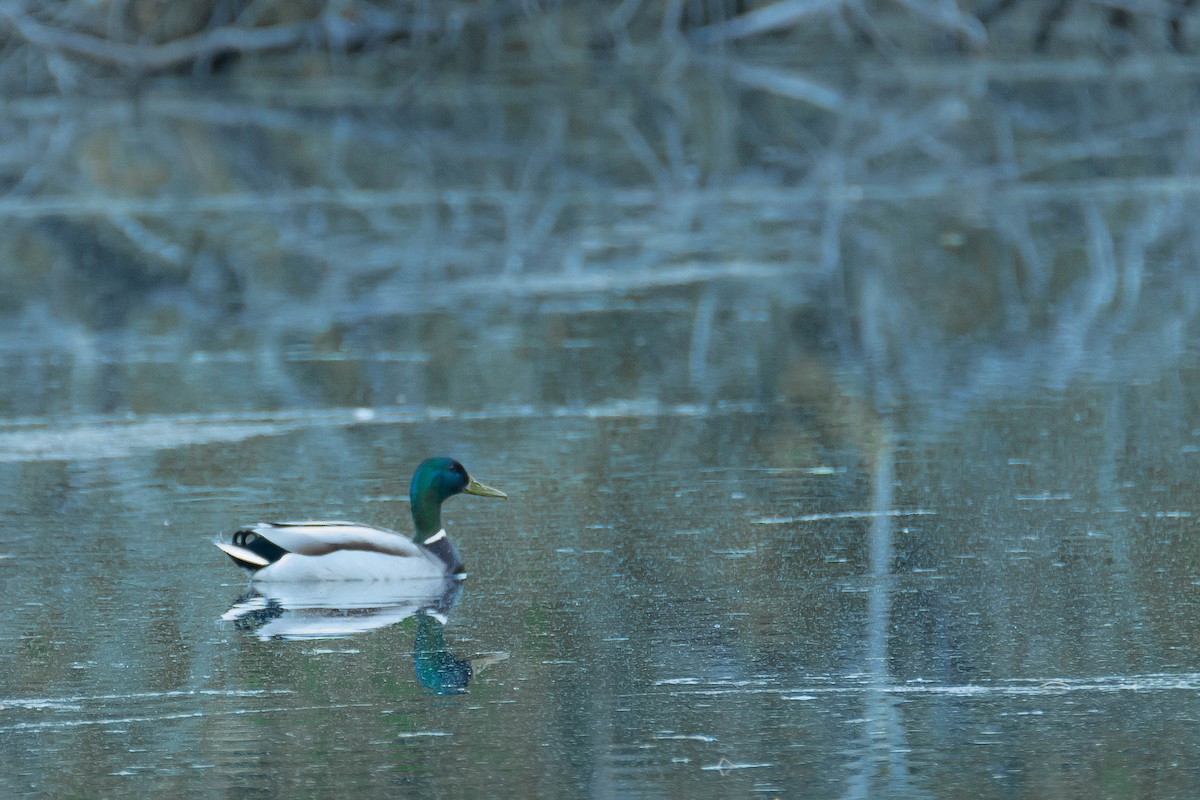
<point x="330" y="551"/>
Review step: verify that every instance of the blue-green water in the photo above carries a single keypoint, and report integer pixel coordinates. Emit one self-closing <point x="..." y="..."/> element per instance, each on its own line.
<point x="673" y="601"/>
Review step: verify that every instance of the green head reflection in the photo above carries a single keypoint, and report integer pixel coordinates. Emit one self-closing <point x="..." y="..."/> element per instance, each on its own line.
<point x="439" y="670"/>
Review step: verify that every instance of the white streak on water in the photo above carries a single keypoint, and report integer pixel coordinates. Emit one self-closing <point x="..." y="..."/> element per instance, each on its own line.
<point x="693" y="737"/>
<point x="1038" y="687"/>
<point x="899" y="512"/>
<point x="728" y="766"/>
<point x="77" y="723"/>
<point x="49" y="702"/>
<point x="101" y="437"/>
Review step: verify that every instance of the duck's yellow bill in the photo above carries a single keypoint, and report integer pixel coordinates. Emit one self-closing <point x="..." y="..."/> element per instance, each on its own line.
<point x="483" y="490"/>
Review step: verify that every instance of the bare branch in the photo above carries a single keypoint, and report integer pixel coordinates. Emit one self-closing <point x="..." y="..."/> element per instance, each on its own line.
<point x="765" y="19"/>
<point x="947" y="14"/>
<point x="104" y="205"/>
<point x="788" y="83"/>
<point x="329" y="29"/>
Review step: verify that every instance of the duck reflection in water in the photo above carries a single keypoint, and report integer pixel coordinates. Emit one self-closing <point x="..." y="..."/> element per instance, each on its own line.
<point x="293" y="611"/>
<point x="306" y="611"/>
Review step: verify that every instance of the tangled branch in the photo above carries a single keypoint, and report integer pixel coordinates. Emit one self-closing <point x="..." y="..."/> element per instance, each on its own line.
<point x="347" y="28"/>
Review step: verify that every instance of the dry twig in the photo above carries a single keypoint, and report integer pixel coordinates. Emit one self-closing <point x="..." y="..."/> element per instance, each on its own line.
<point x="331" y="29"/>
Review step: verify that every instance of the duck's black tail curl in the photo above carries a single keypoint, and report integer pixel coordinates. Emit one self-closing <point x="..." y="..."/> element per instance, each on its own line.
<point x="258" y="544"/>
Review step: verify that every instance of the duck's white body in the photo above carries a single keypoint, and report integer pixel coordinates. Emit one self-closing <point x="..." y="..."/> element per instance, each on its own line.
<point x="333" y="551"/>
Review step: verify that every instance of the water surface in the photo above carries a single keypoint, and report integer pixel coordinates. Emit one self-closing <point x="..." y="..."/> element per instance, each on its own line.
<point x="691" y="600"/>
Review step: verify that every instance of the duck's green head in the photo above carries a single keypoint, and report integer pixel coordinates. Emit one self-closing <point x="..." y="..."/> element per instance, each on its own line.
<point x="435" y="481"/>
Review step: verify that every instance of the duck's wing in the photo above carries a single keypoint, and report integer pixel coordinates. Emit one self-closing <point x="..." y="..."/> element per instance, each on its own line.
<point x="323" y="538"/>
